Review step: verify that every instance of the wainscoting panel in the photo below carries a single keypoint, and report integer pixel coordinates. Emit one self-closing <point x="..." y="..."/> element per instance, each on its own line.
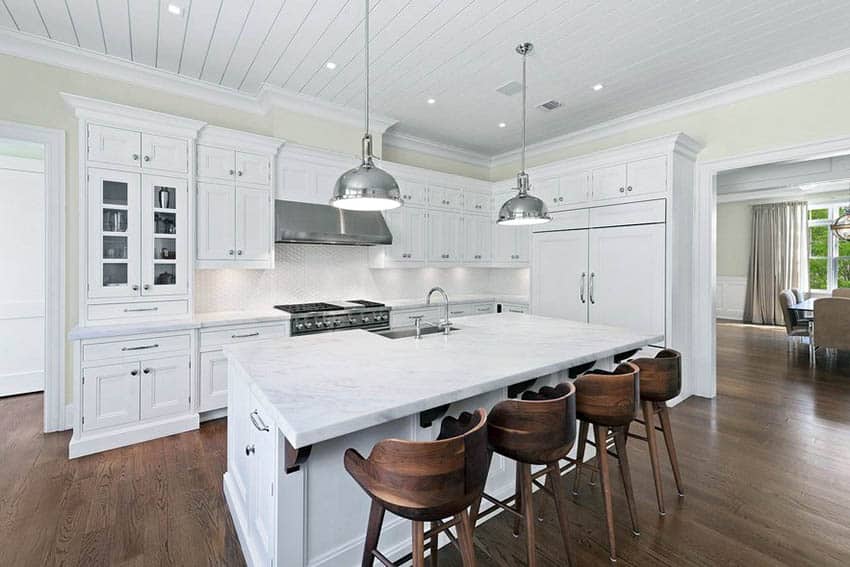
<point x="731" y="291"/>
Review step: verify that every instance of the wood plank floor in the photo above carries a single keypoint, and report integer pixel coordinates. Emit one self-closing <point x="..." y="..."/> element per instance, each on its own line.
<point x="766" y="468"/>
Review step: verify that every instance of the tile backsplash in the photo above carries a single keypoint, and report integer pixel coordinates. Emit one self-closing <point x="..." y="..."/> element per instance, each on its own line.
<point x="305" y="272"/>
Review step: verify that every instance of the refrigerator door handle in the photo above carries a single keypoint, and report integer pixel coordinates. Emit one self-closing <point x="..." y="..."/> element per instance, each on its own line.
<point x="581" y="287"/>
<point x="590" y="287"/>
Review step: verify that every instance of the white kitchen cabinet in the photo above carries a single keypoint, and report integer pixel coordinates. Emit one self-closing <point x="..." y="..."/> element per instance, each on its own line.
<point x="478" y="239"/>
<point x="573" y="188"/>
<point x="238" y="443"/>
<point x="116" y="146"/>
<point x="253" y="169"/>
<point x="165" y="236"/>
<point x="216" y="225"/>
<point x="511" y="244"/>
<point x="165" y="153"/>
<point x="547" y="190"/>
<point x="413" y="192"/>
<point x="164" y="387"/>
<point x="477" y="202"/>
<point x="110" y="395"/>
<point x="638" y="177"/>
<point x="409" y="228"/>
<point x="253" y="225"/>
<point x="514" y="308"/>
<point x="609" y="182"/>
<point x="559" y="274"/>
<point x="445" y="237"/>
<point x="406" y="317"/>
<point x="213" y="381"/>
<point x="445" y="197"/>
<point x="216" y="163"/>
<point x="307" y="182"/>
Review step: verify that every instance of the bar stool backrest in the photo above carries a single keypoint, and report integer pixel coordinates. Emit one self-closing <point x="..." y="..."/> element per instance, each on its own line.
<point x="661" y="376"/>
<point x="539" y="429"/>
<point x="608" y="398"/>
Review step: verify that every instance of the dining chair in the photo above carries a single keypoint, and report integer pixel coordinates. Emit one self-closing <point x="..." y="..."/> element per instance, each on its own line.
<point x="841" y="292"/>
<point x="832" y="324"/>
<point x="794" y="327"/>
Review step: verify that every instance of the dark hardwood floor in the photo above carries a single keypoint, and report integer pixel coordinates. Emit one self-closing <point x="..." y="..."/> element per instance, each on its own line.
<point x="766" y="467"/>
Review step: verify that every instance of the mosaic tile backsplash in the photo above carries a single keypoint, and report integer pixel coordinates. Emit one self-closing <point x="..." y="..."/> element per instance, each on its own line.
<point x="306" y="272"/>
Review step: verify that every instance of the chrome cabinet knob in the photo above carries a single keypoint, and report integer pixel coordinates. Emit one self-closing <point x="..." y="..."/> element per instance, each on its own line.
<point x="232" y="171"/>
<point x="147" y="158"/>
<point x="147" y="286"/>
<point x="239" y="173"/>
<point x="561" y="198"/>
<point x="147" y="370"/>
<point x="230" y="252"/>
<point x="629" y="188"/>
<point x="622" y="189"/>
<point x="134" y="373"/>
<point x="250" y="450"/>
<point x="135" y="288"/>
<point x="135" y="157"/>
<point x="238" y="252"/>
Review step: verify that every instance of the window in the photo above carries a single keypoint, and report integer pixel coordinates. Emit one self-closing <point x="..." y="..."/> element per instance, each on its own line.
<point x="829" y="258"/>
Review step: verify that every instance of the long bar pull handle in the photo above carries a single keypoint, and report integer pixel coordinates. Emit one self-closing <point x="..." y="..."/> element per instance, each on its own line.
<point x="246" y="335"/>
<point x="255" y="415"/>
<point x="145" y="347"/>
<point x="581" y="288"/>
<point x="140" y="309"/>
<point x="590" y="287"/>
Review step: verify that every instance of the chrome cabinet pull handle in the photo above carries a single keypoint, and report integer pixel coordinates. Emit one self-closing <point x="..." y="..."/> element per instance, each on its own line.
<point x="246" y="335"/>
<point x="144" y="347"/>
<point x="581" y="287"/>
<point x="590" y="287"/>
<point x="140" y="309"/>
<point x="255" y="416"/>
<point x="561" y="198"/>
<point x="249" y="450"/>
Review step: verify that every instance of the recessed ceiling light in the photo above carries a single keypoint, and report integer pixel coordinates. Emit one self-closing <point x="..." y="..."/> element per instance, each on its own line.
<point x="175" y="9"/>
<point x="597" y="87"/>
<point x="431" y="101"/>
<point x="330" y="65"/>
<point x="502" y="125"/>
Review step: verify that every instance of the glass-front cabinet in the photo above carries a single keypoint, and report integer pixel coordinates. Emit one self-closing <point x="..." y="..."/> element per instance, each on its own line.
<point x="138" y="235"/>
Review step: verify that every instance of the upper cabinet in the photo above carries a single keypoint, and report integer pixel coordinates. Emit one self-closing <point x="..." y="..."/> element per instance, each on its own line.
<point x="445" y="197"/>
<point x="135" y="149"/>
<point x="634" y="178"/>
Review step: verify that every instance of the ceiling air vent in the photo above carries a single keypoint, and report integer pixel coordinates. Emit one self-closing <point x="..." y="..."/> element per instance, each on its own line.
<point x="549" y="105"/>
<point x="510" y="89"/>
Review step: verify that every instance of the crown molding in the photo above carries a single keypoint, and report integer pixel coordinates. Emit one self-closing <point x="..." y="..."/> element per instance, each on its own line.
<point x="779" y="79"/>
<point x="436" y="149"/>
<point x="218" y="136"/>
<point x="275" y="97"/>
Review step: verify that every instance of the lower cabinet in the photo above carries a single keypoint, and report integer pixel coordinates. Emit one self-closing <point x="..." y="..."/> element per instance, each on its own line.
<point x="435" y="313"/>
<point x="514" y="308"/>
<point x="164" y="386"/>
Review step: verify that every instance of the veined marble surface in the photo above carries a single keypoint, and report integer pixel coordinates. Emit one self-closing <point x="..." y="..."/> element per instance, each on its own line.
<point x="327" y="385"/>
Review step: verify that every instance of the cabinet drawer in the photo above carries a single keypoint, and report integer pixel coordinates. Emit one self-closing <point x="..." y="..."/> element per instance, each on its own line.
<point x="102" y="350"/>
<point x="228" y="335"/>
<point x="137" y="310"/>
<point x="514" y="308"/>
<point x="483" y="308"/>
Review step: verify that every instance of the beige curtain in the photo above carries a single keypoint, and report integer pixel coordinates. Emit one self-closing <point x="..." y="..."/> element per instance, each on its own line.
<point x="778" y="259"/>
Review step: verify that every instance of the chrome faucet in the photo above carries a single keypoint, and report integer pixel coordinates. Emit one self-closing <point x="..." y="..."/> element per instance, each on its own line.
<point x="445" y="324"/>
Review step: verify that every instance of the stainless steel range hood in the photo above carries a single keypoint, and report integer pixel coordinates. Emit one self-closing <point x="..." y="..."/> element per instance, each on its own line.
<point x="306" y="223"/>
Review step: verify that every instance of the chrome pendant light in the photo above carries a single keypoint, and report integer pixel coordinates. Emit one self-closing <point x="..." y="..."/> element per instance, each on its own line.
<point x="366" y="187"/>
<point x="524" y="209"/>
<point x="841" y="226"/>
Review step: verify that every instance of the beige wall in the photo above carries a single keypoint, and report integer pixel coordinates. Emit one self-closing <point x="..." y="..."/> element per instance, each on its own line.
<point x="734" y="223"/>
<point x="431" y="162"/>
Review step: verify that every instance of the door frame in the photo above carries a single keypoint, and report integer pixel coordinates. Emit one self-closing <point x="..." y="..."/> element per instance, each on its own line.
<point x="704" y="338"/>
<point x="54" y="273"/>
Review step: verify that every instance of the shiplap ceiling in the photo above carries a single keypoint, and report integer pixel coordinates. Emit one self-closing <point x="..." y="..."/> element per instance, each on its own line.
<point x="644" y="52"/>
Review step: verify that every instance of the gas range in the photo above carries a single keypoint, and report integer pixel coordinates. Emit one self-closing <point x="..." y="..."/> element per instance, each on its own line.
<point x="321" y="317"/>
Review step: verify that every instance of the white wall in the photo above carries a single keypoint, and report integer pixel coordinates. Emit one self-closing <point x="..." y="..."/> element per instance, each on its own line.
<point x="22" y="256"/>
<point x="305" y="272"/>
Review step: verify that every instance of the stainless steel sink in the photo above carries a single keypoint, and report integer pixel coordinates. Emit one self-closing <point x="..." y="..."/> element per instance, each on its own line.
<point x="410" y="332"/>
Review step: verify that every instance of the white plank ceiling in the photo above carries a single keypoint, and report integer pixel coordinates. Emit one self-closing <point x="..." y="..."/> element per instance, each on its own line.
<point x="644" y="52"/>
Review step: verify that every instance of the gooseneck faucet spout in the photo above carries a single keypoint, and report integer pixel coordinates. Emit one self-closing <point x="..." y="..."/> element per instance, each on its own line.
<point x="445" y="323"/>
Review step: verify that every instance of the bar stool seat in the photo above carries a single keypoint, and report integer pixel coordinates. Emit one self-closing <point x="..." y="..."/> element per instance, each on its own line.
<point x="425" y="482"/>
<point x="539" y="429"/>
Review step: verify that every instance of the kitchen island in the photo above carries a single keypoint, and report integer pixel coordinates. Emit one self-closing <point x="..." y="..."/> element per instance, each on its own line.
<point x="296" y="404"/>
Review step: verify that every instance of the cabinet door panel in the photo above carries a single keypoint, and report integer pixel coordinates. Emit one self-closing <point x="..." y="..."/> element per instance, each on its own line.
<point x="264" y="469"/>
<point x="559" y="274"/>
<point x="216" y="227"/>
<point x="114" y="240"/>
<point x="165" y="236"/>
<point x="110" y="395"/>
<point x="297" y="183"/>
<point x="445" y="197"/>
<point x="647" y="176"/>
<point x="395" y="219"/>
<point x="162" y="152"/>
<point x="504" y="243"/>
<point x="522" y="243"/>
<point x="477" y="239"/>
<point x="253" y="168"/>
<point x="216" y="163"/>
<point x="574" y="188"/>
<point x="609" y="182"/>
<point x="417" y="234"/>
<point x="476" y="202"/>
<point x="239" y="437"/>
<point x="165" y="387"/>
<point x="628" y="281"/>
<point x="213" y="378"/>
<point x="548" y="191"/>
<point x="253" y="224"/>
<point x="413" y="192"/>
<point x="114" y="145"/>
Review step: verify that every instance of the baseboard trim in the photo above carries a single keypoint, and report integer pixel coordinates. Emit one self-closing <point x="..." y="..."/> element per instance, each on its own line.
<point x="90" y="443"/>
<point x="24" y="382"/>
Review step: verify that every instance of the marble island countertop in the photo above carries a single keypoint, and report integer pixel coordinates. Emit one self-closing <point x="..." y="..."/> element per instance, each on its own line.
<point x="324" y="386"/>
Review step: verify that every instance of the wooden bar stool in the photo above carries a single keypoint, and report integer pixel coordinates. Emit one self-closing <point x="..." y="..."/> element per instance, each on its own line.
<point x="540" y="429"/>
<point x="660" y="381"/>
<point x="425" y="482"/>
<point x="608" y="401"/>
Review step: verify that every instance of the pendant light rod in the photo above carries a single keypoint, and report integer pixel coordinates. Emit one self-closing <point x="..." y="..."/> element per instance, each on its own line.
<point x="524" y="49"/>
<point x="366" y="34"/>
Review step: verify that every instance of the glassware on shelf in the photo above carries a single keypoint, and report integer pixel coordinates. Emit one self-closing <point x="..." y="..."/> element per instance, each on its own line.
<point x="165" y="274"/>
<point x="114" y="274"/>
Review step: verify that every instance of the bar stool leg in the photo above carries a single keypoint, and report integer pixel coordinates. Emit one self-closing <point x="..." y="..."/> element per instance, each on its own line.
<point x="582" y="443"/>
<point x="528" y="513"/>
<point x="373" y="533"/>
<point x="433" y="545"/>
<point x="649" y="423"/>
<point x="418" y="544"/>
<point x="602" y="456"/>
<point x="625" y="472"/>
<point x="464" y="536"/>
<point x="518" y="520"/>
<point x="664" y="416"/>
<point x="553" y="480"/>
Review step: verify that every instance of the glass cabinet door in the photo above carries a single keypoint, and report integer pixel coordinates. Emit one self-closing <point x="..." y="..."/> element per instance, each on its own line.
<point x="113" y="260"/>
<point x="164" y="236"/>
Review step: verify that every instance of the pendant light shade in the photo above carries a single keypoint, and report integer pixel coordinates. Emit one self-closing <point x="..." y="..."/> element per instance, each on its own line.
<point x="524" y="209"/>
<point x="366" y="187"/>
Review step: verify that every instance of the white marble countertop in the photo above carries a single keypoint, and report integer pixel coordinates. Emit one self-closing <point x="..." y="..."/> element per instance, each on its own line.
<point x="412" y="303"/>
<point x="324" y="386"/>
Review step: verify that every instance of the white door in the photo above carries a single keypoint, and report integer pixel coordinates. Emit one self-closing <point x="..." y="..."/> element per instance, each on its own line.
<point x="627" y="277"/>
<point x="165" y="236"/>
<point x="263" y="505"/>
<point x="253" y="224"/>
<point x="609" y="182"/>
<point x="114" y="259"/>
<point x="164" y="387"/>
<point x="165" y="153"/>
<point x="253" y="168"/>
<point x="22" y="229"/>
<point x="216" y="163"/>
<point x="559" y="274"/>
<point x="647" y="176"/>
<point x="216" y="226"/>
<point x="114" y="145"/>
<point x="213" y="378"/>
<point x="110" y="395"/>
<point x="575" y="188"/>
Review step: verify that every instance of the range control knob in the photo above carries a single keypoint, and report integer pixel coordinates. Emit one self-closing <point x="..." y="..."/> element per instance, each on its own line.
<point x="319" y="324"/>
<point x="299" y="326"/>
<point x="308" y="324"/>
<point x="366" y="319"/>
<point x="337" y="323"/>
